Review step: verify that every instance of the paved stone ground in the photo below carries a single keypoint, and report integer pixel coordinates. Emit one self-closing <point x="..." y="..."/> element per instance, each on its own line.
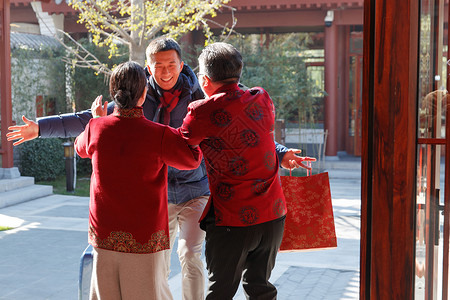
<point x="317" y="283"/>
<point x="40" y="259"/>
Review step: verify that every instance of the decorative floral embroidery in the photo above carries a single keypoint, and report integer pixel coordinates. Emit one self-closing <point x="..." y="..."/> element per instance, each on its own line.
<point x="238" y="166"/>
<point x="221" y="118"/>
<point x="224" y="191"/>
<point x="121" y="241"/>
<point x="249" y="215"/>
<point x="254" y="112"/>
<point x="231" y="95"/>
<point x="309" y="220"/>
<point x="270" y="160"/>
<point x="218" y="216"/>
<point x="278" y="208"/>
<point x="135" y="112"/>
<point x="260" y="186"/>
<point x="214" y="143"/>
<point x="249" y="137"/>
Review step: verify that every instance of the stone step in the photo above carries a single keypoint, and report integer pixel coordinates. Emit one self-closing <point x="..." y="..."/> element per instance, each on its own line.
<point x="344" y="174"/>
<point x="343" y="169"/>
<point x="24" y="194"/>
<point x="15" y="183"/>
<point x="342" y="165"/>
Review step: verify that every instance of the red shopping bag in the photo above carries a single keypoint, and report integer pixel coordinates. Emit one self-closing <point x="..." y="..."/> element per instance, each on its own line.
<point x="309" y="221"/>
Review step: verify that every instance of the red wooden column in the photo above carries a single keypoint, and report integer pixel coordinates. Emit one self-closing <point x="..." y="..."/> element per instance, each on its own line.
<point x="331" y="87"/>
<point x="389" y="149"/>
<point x="343" y="67"/>
<point x="5" y="83"/>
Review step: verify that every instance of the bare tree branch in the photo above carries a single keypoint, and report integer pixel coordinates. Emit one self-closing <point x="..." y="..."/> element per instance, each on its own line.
<point x="112" y="23"/>
<point x="93" y="63"/>
<point x="224" y="26"/>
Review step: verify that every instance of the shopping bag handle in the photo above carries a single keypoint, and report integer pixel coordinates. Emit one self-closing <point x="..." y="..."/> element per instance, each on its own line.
<point x="308" y="171"/>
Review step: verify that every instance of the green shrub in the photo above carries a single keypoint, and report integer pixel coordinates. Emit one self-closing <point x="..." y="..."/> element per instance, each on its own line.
<point x="42" y="159"/>
<point x="84" y="166"/>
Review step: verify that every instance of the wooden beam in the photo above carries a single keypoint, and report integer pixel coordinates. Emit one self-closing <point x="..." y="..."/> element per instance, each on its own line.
<point x="5" y="83"/>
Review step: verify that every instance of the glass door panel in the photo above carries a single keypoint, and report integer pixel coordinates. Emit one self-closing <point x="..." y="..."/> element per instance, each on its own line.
<point x="429" y="250"/>
<point x="431" y="261"/>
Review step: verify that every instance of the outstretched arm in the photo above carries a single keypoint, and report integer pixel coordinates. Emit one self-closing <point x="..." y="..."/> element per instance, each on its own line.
<point x="23" y="133"/>
<point x="66" y="125"/>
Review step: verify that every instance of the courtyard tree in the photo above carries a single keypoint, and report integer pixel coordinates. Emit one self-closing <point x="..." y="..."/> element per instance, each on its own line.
<point x="135" y="22"/>
<point x="277" y="63"/>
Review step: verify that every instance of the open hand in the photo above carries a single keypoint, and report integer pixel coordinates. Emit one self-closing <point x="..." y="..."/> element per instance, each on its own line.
<point x="23" y="133"/>
<point x="97" y="109"/>
<point x="292" y="161"/>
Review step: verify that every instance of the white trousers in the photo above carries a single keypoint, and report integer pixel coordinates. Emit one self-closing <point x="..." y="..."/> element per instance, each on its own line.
<point x="185" y="218"/>
<point x="129" y="276"/>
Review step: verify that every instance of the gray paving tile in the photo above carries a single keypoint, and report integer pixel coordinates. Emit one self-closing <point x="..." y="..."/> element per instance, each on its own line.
<point x="42" y="264"/>
<point x="315" y="283"/>
<point x="67" y="211"/>
<point x="40" y="260"/>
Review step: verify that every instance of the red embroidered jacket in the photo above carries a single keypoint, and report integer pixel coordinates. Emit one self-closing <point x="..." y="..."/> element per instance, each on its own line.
<point x="130" y="154"/>
<point x="235" y="132"/>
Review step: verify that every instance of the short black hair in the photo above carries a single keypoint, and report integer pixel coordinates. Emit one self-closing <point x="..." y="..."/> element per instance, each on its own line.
<point x="162" y="44"/>
<point x="221" y="62"/>
<point x="127" y="83"/>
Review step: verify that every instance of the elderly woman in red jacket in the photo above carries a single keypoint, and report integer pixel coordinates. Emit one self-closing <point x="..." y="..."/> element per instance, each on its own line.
<point x="128" y="222"/>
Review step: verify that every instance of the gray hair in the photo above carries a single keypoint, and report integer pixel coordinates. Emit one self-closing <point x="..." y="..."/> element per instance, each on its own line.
<point x="221" y="62"/>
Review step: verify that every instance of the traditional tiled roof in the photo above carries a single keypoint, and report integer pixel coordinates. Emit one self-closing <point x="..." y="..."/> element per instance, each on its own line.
<point x="33" y="41"/>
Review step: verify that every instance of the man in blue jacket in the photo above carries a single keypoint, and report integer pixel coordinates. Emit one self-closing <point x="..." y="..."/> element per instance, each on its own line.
<point x="172" y="86"/>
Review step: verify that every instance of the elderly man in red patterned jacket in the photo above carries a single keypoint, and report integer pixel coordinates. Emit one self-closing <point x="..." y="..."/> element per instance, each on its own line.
<point x="244" y="217"/>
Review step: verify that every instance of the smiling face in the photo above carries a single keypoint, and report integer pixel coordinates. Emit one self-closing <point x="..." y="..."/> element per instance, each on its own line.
<point x="165" y="68"/>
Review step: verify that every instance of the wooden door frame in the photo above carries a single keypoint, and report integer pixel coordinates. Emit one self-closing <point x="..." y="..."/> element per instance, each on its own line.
<point x="388" y="182"/>
<point x="6" y="149"/>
